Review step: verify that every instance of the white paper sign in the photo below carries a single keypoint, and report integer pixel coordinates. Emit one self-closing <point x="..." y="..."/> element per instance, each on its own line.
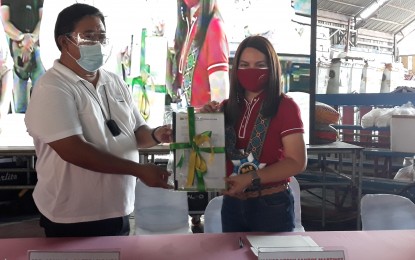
<point x="272" y="241"/>
<point x="268" y="254"/>
<point x="295" y="247"/>
<point x="74" y="255"/>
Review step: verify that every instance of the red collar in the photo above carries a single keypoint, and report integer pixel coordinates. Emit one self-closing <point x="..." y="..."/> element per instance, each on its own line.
<point x="259" y="97"/>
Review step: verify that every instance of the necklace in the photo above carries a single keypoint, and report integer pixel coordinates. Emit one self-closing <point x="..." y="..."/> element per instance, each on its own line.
<point x="111" y="124"/>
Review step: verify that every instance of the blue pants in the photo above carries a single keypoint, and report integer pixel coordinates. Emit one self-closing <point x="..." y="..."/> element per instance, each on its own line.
<point x="107" y="227"/>
<point x="270" y="213"/>
<point x="20" y="89"/>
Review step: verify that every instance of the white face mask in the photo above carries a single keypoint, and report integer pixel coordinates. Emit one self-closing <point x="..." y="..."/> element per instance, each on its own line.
<point x="92" y="57"/>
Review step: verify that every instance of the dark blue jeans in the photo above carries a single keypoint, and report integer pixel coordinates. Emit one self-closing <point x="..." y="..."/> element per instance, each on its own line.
<point x="107" y="227"/>
<point x="270" y="213"/>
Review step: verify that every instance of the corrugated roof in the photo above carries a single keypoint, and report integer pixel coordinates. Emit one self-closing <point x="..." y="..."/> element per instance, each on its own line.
<point x="344" y="7"/>
<point x="391" y="18"/>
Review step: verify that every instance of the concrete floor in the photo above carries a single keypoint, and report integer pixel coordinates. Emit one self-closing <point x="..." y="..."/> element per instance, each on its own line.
<point x="27" y="227"/>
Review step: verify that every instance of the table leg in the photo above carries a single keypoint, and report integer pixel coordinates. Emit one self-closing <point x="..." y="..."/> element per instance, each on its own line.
<point x="324" y="193"/>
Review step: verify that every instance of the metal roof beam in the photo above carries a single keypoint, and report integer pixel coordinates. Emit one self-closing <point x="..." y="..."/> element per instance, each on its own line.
<point x="410" y="24"/>
<point x="328" y="15"/>
<point x="375" y="34"/>
<point x="386" y="21"/>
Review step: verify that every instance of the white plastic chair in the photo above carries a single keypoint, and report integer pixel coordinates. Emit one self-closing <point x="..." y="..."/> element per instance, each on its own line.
<point x="212" y="216"/>
<point x="295" y="188"/>
<point x="387" y="212"/>
<point x="160" y="211"/>
<point x="213" y="222"/>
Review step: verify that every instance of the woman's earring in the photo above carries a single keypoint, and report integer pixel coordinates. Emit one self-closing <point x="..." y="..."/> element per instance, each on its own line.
<point x="237" y="98"/>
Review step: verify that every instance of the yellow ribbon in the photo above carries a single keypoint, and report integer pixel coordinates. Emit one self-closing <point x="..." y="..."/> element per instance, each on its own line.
<point x="196" y="162"/>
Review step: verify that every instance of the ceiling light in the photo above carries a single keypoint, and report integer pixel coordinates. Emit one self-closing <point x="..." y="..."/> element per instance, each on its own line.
<point x="372" y="8"/>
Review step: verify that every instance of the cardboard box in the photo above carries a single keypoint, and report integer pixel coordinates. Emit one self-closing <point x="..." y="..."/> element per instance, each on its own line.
<point x="403" y="133"/>
<point x="205" y="140"/>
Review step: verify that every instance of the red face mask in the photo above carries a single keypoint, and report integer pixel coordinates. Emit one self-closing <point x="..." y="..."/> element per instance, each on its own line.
<point x="253" y="79"/>
<point x="191" y="3"/>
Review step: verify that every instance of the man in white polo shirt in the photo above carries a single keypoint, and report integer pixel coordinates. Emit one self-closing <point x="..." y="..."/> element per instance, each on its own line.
<point x="86" y="130"/>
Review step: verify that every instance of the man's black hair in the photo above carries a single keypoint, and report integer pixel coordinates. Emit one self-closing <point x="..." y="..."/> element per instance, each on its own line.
<point x="71" y="15"/>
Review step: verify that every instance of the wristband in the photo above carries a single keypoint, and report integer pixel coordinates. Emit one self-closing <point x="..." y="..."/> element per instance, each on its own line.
<point x="154" y="136"/>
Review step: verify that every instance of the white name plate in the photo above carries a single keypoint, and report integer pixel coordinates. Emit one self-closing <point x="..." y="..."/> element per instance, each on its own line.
<point x="300" y="255"/>
<point x="74" y="255"/>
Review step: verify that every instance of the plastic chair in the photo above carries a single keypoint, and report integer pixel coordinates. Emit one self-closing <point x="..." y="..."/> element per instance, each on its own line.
<point x="387" y="212"/>
<point x="213" y="222"/>
<point x="160" y="211"/>
<point x="295" y="189"/>
<point x="409" y="192"/>
<point x="213" y="219"/>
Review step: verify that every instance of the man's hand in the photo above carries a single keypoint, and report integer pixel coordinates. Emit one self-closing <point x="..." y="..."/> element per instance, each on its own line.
<point x="154" y="176"/>
<point x="164" y="134"/>
<point x="26" y="55"/>
<point x="28" y="42"/>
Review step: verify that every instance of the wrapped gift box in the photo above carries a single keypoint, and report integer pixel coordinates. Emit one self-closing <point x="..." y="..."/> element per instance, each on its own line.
<point x="199" y="151"/>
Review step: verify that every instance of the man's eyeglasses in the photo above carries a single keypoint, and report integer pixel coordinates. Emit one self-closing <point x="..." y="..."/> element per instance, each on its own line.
<point x="90" y="38"/>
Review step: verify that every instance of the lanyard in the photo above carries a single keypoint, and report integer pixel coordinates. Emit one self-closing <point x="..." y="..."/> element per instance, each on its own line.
<point x="111" y="124"/>
<point x="99" y="103"/>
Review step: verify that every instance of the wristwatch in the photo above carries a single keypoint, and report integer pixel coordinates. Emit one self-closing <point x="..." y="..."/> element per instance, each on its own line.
<point x="255" y="181"/>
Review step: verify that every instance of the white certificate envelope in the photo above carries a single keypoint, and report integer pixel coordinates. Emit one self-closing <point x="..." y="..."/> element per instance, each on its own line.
<point x="209" y="127"/>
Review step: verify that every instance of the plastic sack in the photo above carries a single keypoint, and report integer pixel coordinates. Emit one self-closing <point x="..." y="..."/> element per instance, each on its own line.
<point x="385" y="117"/>
<point x="369" y="119"/>
<point x="406" y="109"/>
<point x="381" y="117"/>
<point x="405" y="174"/>
<point x="160" y="210"/>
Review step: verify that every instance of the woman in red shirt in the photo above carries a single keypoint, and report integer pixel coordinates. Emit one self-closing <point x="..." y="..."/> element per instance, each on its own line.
<point x="265" y="144"/>
<point x="201" y="53"/>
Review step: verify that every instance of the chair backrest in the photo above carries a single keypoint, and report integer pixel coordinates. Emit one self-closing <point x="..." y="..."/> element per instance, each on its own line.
<point x="387" y="212"/>
<point x="212" y="216"/>
<point x="295" y="189"/>
<point x="408" y="191"/>
<point x="160" y="211"/>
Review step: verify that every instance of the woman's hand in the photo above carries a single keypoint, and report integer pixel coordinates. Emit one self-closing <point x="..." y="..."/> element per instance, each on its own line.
<point x="210" y="107"/>
<point x="237" y="184"/>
